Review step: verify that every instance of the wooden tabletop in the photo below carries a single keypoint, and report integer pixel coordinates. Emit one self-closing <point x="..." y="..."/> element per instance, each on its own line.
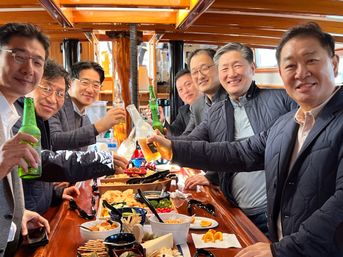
<point x="65" y="233"/>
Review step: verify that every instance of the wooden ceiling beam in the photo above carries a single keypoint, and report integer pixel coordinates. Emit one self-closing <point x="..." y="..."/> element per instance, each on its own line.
<point x="319" y="7"/>
<point x="145" y="17"/>
<point x="53" y="8"/>
<point x="226" y="30"/>
<point x="263" y="22"/>
<point x="111" y="26"/>
<point x="270" y="42"/>
<point x="36" y="17"/>
<point x="186" y="18"/>
<point x="19" y="3"/>
<point x="174" y="4"/>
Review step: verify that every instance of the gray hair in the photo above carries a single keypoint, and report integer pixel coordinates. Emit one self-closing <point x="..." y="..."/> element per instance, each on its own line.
<point x="245" y="51"/>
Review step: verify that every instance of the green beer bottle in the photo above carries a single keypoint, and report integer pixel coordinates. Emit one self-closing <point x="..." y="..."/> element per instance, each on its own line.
<point x="156" y="123"/>
<point x="29" y="126"/>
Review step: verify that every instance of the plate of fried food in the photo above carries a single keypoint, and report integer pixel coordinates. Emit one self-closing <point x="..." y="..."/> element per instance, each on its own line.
<point x="203" y="223"/>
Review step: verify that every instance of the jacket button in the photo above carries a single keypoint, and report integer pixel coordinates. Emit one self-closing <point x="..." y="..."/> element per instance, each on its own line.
<point x="291" y="183"/>
<point x="286" y="216"/>
<point x="8" y="216"/>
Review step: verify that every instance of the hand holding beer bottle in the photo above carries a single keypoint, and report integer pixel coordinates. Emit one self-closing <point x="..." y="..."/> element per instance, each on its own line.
<point x="143" y="131"/>
<point x="163" y="144"/>
<point x="29" y="126"/>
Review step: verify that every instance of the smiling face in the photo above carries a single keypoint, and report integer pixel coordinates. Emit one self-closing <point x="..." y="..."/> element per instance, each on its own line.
<point x="204" y="73"/>
<point x="186" y="89"/>
<point x="307" y="71"/>
<point x="46" y="105"/>
<point x="84" y="96"/>
<point x="18" y="79"/>
<point x="235" y="73"/>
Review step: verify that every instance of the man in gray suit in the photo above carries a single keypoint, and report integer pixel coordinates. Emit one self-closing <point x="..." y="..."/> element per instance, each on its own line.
<point x="23" y="51"/>
<point x="205" y="77"/>
<point x="71" y="128"/>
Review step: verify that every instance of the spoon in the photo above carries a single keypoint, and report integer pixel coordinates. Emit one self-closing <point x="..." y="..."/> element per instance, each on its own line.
<point x="152" y="208"/>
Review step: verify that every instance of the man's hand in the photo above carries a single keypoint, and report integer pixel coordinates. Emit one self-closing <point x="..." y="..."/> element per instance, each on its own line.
<point x="13" y="152"/>
<point x="113" y="117"/>
<point x="33" y="220"/>
<point x="256" y="250"/>
<point x="70" y="192"/>
<point x="195" y="180"/>
<point x="120" y="163"/>
<point x="163" y="144"/>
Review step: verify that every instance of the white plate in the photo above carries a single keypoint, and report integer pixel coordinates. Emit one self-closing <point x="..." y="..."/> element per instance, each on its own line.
<point x="170" y="167"/>
<point x="196" y="223"/>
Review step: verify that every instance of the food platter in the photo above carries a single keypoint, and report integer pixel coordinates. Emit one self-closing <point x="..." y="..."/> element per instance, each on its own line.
<point x="197" y="220"/>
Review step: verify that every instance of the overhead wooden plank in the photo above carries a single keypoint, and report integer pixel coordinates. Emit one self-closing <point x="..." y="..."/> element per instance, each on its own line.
<point x="263" y="22"/>
<point x="270" y="42"/>
<point x="119" y="27"/>
<point x="122" y="16"/>
<point x="175" y="4"/>
<point x="67" y="35"/>
<point x="323" y="7"/>
<point x="186" y="18"/>
<point x="228" y="30"/>
<point x="36" y="17"/>
<point x="19" y="3"/>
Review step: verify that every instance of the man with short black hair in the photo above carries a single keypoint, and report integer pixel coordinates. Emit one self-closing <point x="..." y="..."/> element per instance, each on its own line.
<point x="23" y="51"/>
<point x="71" y="128"/>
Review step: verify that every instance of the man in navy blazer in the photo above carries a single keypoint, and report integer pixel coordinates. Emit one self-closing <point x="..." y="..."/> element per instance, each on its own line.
<point x="302" y="153"/>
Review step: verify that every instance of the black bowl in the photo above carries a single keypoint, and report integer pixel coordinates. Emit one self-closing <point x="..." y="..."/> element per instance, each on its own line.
<point x="153" y="195"/>
<point x="120" y="241"/>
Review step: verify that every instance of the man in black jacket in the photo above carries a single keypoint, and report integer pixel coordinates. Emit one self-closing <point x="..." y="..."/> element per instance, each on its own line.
<point x="48" y="99"/>
<point x="302" y="153"/>
<point x="247" y="111"/>
<point x="188" y="94"/>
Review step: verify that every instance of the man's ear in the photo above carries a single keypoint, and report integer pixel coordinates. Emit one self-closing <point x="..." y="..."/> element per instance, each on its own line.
<point x="335" y="62"/>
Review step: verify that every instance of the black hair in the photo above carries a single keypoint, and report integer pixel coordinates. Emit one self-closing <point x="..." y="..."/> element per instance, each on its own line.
<point x="80" y="66"/>
<point x="310" y="29"/>
<point x="210" y="52"/>
<point x="53" y="70"/>
<point x="245" y="51"/>
<point x="27" y="30"/>
<point x="182" y="72"/>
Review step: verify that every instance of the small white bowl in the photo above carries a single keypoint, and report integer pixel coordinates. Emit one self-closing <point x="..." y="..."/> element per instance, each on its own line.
<point x="179" y="231"/>
<point x="93" y="235"/>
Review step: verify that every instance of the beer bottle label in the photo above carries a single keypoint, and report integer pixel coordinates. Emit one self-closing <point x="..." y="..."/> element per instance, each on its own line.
<point x="152" y="147"/>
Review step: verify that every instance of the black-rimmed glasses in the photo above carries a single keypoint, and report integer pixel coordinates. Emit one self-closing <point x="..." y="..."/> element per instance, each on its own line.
<point x="203" y="69"/>
<point x="21" y="57"/>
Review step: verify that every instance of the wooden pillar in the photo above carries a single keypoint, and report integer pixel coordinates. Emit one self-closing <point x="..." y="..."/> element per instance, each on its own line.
<point x="121" y="61"/>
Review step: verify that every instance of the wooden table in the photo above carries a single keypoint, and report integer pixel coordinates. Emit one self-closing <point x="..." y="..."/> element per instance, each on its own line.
<point x="65" y="233"/>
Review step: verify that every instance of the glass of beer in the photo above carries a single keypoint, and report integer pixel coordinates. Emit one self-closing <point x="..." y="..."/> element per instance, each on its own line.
<point x="150" y="151"/>
<point x="119" y="132"/>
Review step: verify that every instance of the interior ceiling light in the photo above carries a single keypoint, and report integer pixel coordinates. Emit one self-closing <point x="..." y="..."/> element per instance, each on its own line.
<point x="122" y="9"/>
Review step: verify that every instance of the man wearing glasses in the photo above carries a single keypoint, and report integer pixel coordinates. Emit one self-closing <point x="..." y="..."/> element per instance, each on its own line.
<point x="205" y="77"/>
<point x="23" y="51"/>
<point x="71" y="128"/>
<point x="64" y="165"/>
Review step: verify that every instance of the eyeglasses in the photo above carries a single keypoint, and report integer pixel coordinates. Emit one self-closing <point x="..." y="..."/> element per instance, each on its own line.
<point x="87" y="82"/>
<point x="204" y="69"/>
<point x="21" y="57"/>
<point x="48" y="91"/>
<point x="73" y="205"/>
